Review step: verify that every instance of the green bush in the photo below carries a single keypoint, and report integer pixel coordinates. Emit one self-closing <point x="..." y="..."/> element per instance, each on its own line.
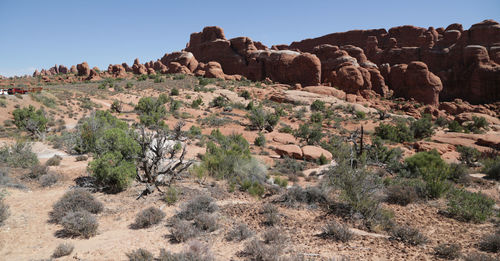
<point x="310" y="134"/>
<point x="468" y="155"/>
<point x="318" y="105"/>
<point x="113" y="171"/>
<point x="261" y="119"/>
<point x="492" y="168"/>
<point x="260" y="140"/>
<point x="219" y="102"/>
<point x="422" y="128"/>
<point x="432" y="169"/>
<point x="478" y="125"/>
<point x="454" y="126"/>
<point x="396" y="133"/>
<point x="171" y="196"/>
<point x="151" y="110"/>
<point x="18" y="155"/>
<point x="317" y="117"/>
<point x="196" y="103"/>
<point x="469" y="206"/>
<point x="31" y="120"/>
<point x="174" y="92"/>
<point x="245" y="94"/>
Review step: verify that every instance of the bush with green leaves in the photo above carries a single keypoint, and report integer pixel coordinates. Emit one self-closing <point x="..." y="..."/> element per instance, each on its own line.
<point x="432" y="169"/>
<point x="454" y="126"/>
<point x="310" y="134"/>
<point x="260" y="140"/>
<point x="396" y="133"/>
<point x="468" y="155"/>
<point x="112" y="171"/>
<point x="478" y="125"/>
<point x="245" y="94"/>
<point x="219" y="102"/>
<point x="116" y="106"/>
<point x="318" y="105"/>
<point x="492" y="168"/>
<point x="422" y="128"/>
<point x="196" y="103"/>
<point x="261" y="119"/>
<point x="30" y="119"/>
<point x="18" y="155"/>
<point x="317" y="117"/>
<point x="152" y="110"/>
<point x="469" y="206"/>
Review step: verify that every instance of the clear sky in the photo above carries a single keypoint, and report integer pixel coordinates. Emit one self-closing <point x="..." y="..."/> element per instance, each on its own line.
<point x="38" y="34"/>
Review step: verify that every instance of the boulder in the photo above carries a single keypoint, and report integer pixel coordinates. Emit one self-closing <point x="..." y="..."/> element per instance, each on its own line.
<point x="291" y="151"/>
<point x="93" y="76"/>
<point x="314" y="153"/>
<point x="186" y="59"/>
<point x="175" y="67"/>
<point x="63" y="69"/>
<point x="83" y="69"/>
<point x="73" y="69"/>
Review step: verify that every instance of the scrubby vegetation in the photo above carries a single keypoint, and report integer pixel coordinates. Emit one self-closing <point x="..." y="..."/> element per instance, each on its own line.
<point x="32" y="120"/>
<point x="80" y="223"/>
<point x="337" y="232"/>
<point x="73" y="201"/>
<point x="469" y="206"/>
<point x="148" y="217"/>
<point x="18" y="155"/>
<point x="63" y="249"/>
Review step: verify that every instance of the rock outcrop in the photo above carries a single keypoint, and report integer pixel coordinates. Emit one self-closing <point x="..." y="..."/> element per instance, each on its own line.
<point x="83" y="69"/>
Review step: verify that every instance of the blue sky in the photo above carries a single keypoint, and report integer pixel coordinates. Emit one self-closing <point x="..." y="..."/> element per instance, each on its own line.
<point x="39" y="34"/>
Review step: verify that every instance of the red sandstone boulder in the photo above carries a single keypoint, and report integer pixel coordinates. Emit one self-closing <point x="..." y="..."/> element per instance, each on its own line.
<point x="325" y="90"/>
<point x="83" y="69"/>
<point x="186" y="59"/>
<point x="63" y="69"/>
<point x="36" y="73"/>
<point x="73" y="69"/>
<point x="93" y="76"/>
<point x="139" y="68"/>
<point x="314" y="153"/>
<point x="291" y="151"/>
<point x="214" y="70"/>
<point x="175" y="67"/>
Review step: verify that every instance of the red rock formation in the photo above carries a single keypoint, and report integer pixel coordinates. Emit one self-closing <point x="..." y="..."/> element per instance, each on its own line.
<point x="139" y="68"/>
<point x="183" y="58"/>
<point x="73" y="69"/>
<point x="83" y="69"/>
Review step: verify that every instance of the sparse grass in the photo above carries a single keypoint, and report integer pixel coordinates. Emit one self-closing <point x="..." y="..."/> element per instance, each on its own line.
<point x="182" y="230"/>
<point x="148" y="217"/>
<point x="239" y="233"/>
<point x="337" y="232"/>
<point x="490" y="243"/>
<point x="197" y="206"/>
<point x="63" y="249"/>
<point x="80" y="223"/>
<point x="447" y="251"/>
<point x="140" y="255"/>
<point x="73" y="201"/>
<point x="408" y="235"/>
<point x="54" y="161"/>
<point x="271" y="214"/>
<point x="171" y="196"/>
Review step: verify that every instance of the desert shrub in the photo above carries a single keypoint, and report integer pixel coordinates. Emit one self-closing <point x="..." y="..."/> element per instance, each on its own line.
<point x="63" y="249"/>
<point x="206" y="222"/>
<point x="337" y="232"/>
<point x="447" y="251"/>
<point x="478" y="125"/>
<point x="37" y="171"/>
<point x="197" y="206"/>
<point x="4" y="211"/>
<point x="171" y="196"/>
<point x="219" y="102"/>
<point x="378" y="153"/>
<point x="245" y="94"/>
<point x="18" y="155"/>
<point x="289" y="166"/>
<point x="73" y="201"/>
<point x="116" y="106"/>
<point x="490" y="243"/>
<point x="239" y="233"/>
<point x="285" y="129"/>
<point x="318" y="105"/>
<point x="458" y="173"/>
<point x="433" y="170"/>
<point x="401" y="195"/>
<point x="182" y="230"/>
<point x="113" y="171"/>
<point x="408" y="235"/>
<point x="175" y="106"/>
<point x="31" y="120"/>
<point x="310" y="134"/>
<point x="261" y="119"/>
<point x="492" y="168"/>
<point x="469" y="206"/>
<point x="129" y="85"/>
<point x="454" y="126"/>
<point x="151" y="110"/>
<point x="48" y="180"/>
<point x="81" y="158"/>
<point x="475" y="256"/>
<point x="422" y="128"/>
<point x="358" y="188"/>
<point x="229" y="158"/>
<point x="468" y="155"/>
<point x="257" y="250"/>
<point x="282" y="182"/>
<point x="360" y="115"/>
<point x="148" y="217"/>
<point x="196" y="103"/>
<point x="80" y="223"/>
<point x="54" y="161"/>
<point x="309" y="195"/>
<point x="316" y="117"/>
<point x="194" y="251"/>
<point x="260" y="140"/>
<point x="396" y="133"/>
<point x="271" y="214"/>
<point x="441" y="121"/>
<point x="273" y="236"/>
<point x="140" y="255"/>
